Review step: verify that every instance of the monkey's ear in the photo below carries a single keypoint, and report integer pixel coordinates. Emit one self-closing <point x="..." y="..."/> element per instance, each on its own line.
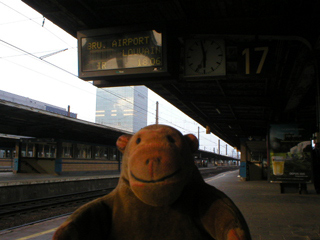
<point x="192" y="141"/>
<point x="122" y="142"/>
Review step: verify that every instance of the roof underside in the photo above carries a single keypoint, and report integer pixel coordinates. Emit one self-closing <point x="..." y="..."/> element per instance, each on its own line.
<point x="235" y="107"/>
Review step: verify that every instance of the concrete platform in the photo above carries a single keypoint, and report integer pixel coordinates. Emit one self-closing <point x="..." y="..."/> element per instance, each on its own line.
<point x="10" y="179"/>
<point x="26" y="186"/>
<point x="270" y="214"/>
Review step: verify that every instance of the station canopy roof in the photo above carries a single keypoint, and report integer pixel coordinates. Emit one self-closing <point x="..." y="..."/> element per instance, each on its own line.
<point x="25" y="121"/>
<point x="238" y="107"/>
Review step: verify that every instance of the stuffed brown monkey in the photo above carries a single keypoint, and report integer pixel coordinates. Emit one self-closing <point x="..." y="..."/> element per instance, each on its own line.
<point x="160" y="195"/>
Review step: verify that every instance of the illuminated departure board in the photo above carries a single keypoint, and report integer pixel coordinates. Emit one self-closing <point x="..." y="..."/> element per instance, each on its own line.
<point x="132" y="50"/>
<point x="106" y="54"/>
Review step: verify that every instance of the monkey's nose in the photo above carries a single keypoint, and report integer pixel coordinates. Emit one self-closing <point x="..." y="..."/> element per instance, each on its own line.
<point x="153" y="160"/>
<point x="152" y="164"/>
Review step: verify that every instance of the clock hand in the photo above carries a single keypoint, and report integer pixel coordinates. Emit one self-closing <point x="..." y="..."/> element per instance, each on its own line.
<point x="204" y="55"/>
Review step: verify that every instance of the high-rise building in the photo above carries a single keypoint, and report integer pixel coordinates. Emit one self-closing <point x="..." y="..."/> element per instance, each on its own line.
<point x="122" y="107"/>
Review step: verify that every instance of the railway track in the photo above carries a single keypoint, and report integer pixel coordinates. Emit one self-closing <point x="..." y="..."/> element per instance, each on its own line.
<point x="211" y="172"/>
<point x="30" y="205"/>
<point x="19" y="213"/>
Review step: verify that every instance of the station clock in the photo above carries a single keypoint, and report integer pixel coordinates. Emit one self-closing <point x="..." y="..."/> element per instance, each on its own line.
<point x="205" y="57"/>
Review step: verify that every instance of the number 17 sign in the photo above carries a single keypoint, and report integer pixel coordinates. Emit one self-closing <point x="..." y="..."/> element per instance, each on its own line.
<point x="256" y="58"/>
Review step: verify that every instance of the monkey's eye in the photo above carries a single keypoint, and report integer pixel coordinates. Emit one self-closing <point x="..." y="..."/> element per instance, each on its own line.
<point x="138" y="140"/>
<point x="171" y="139"/>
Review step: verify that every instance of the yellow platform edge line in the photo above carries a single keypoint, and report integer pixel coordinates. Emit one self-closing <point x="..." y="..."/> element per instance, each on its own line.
<point x="37" y="234"/>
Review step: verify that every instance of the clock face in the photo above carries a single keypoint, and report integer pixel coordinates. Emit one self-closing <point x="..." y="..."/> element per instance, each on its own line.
<point x="205" y="57"/>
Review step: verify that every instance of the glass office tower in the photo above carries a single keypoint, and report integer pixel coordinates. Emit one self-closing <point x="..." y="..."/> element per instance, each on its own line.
<point x="122" y="107"/>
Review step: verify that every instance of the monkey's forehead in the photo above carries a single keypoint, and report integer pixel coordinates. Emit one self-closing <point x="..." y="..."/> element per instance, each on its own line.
<point x="158" y="128"/>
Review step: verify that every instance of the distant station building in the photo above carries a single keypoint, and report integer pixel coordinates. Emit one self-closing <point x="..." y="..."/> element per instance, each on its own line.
<point x="122" y="107"/>
<point x="35" y="104"/>
<point x="25" y="153"/>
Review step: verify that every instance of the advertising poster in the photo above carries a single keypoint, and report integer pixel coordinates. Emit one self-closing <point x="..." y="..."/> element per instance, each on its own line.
<point x="290" y="154"/>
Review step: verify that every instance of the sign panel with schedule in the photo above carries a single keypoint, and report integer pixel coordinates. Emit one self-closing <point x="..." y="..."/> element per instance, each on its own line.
<point x="113" y="53"/>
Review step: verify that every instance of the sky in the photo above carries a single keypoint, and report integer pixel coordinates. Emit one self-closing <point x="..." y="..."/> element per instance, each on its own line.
<point x="39" y="60"/>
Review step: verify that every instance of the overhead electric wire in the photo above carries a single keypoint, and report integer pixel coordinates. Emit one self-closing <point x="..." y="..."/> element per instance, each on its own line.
<point x="42" y="74"/>
<point x="35" y="23"/>
<point x="30" y="54"/>
<point x="19" y="21"/>
<point x="24" y="54"/>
